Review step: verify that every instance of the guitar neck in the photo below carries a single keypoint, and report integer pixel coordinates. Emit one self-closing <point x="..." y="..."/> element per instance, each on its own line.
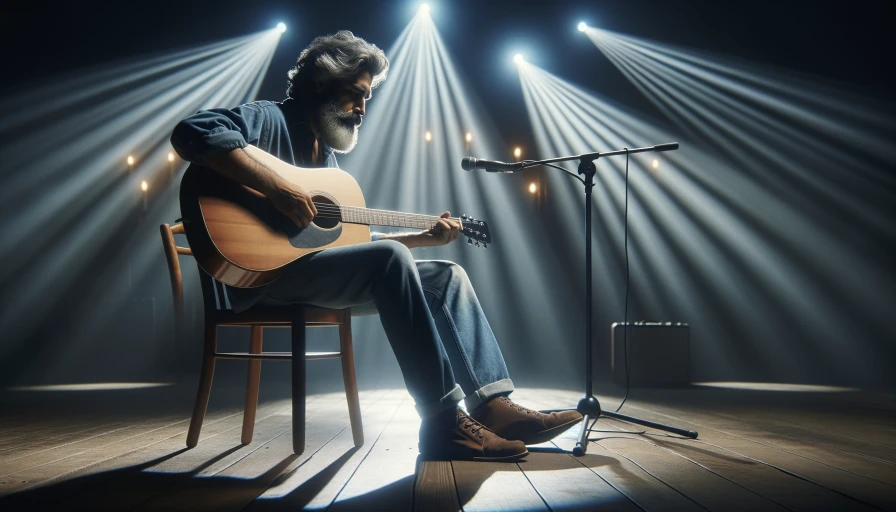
<point x="370" y="217"/>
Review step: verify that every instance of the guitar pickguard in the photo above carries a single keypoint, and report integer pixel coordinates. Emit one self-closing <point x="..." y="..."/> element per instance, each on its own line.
<point x="312" y="237"/>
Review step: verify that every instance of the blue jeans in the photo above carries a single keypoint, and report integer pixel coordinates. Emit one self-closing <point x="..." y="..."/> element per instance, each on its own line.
<point x="429" y="311"/>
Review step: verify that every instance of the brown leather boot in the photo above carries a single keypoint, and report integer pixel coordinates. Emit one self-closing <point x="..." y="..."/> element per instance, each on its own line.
<point x="464" y="439"/>
<point x="512" y="421"/>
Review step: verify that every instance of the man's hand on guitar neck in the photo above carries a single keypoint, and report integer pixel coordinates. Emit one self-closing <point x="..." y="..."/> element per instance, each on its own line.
<point x="443" y="232"/>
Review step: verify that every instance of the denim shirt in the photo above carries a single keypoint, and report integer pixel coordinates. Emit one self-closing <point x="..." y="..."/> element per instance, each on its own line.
<point x="278" y="128"/>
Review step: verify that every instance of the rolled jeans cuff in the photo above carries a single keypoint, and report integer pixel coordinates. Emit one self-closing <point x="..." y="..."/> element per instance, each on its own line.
<point x="483" y="394"/>
<point x="446" y="402"/>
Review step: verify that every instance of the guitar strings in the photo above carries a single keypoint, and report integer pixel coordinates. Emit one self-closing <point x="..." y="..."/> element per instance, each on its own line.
<point x="377" y="213"/>
<point x="327" y="210"/>
<point x="361" y="210"/>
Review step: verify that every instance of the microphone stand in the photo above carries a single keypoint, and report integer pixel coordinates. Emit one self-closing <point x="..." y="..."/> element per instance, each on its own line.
<point x="589" y="406"/>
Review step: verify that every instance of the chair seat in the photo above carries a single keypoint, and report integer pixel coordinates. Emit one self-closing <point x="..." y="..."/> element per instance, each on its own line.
<point x="280" y="316"/>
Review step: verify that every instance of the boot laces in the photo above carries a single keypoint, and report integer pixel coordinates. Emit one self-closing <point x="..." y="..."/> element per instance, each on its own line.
<point x="519" y="407"/>
<point x="472" y="425"/>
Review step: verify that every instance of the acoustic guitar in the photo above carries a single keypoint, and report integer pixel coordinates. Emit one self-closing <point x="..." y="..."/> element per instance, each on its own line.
<point x="240" y="239"/>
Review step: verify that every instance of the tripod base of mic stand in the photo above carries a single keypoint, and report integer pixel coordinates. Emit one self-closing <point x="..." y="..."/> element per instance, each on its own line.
<point x="590" y="409"/>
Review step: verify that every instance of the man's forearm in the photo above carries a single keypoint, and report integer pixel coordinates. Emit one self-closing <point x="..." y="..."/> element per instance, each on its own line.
<point x="240" y="166"/>
<point x="411" y="240"/>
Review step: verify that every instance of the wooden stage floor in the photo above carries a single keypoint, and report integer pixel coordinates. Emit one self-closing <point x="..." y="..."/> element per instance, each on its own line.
<point x="757" y="450"/>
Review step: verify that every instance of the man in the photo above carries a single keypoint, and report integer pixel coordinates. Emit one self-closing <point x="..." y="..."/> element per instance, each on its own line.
<point x="440" y="336"/>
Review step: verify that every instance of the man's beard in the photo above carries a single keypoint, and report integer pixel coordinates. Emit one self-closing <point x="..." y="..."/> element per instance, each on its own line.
<point x="338" y="129"/>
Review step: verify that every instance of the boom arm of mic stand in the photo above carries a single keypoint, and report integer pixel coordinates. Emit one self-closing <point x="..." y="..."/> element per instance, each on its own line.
<point x="590" y="157"/>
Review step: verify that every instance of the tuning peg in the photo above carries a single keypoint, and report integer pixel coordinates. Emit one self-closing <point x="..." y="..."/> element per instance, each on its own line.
<point x="464" y="216"/>
<point x="484" y="245"/>
<point x="469" y="241"/>
<point x="477" y="244"/>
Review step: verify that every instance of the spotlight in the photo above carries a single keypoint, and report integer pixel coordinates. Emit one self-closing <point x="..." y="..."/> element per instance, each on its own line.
<point x="518" y="58"/>
<point x="130" y="160"/>
<point x="144" y="186"/>
<point x="170" y="157"/>
<point x="469" y="137"/>
<point x="533" y="188"/>
<point x="582" y="26"/>
<point x="656" y="163"/>
<point x="428" y="137"/>
<point x="424" y="9"/>
<point x="281" y="27"/>
<point x="517" y="152"/>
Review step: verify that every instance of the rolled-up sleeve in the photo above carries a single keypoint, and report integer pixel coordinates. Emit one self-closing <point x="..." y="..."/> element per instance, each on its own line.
<point x="216" y="131"/>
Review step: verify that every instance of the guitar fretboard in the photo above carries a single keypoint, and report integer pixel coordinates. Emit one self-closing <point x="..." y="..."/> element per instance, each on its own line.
<point x="359" y="215"/>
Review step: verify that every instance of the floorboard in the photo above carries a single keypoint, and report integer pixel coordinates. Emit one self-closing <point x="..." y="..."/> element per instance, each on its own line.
<point x="152" y="469"/>
<point x="793" y="493"/>
<point x="435" y="490"/>
<point x="494" y="486"/>
<point x="238" y="473"/>
<point x="811" y="446"/>
<point x="565" y="484"/>
<point x="755" y="451"/>
<point x="316" y="482"/>
<point x="385" y="478"/>
<point x="116" y="470"/>
<point x="750" y="444"/>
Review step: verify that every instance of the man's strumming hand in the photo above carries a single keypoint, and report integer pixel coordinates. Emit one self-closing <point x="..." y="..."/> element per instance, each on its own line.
<point x="293" y="201"/>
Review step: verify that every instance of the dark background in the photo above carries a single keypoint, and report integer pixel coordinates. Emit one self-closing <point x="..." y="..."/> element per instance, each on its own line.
<point x="845" y="43"/>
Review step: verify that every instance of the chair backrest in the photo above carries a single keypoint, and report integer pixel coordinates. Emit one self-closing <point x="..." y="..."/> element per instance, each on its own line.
<point x="174" y="273"/>
<point x="213" y="296"/>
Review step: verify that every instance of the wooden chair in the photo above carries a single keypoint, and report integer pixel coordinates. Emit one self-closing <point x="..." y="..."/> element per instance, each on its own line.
<point x="296" y="317"/>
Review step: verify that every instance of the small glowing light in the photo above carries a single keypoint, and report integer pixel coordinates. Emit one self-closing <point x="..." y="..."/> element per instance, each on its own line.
<point x="281" y="27"/>
<point x="170" y="157"/>
<point x="517" y="152"/>
<point x="428" y="137"/>
<point x="518" y="58"/>
<point x="656" y="163"/>
<point x="424" y="9"/>
<point x="582" y="26"/>
<point x="533" y="188"/>
<point x="144" y="186"/>
<point x="469" y="137"/>
<point x="130" y="160"/>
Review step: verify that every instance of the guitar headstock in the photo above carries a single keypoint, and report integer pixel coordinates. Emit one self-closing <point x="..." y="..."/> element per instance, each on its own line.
<point x="476" y="231"/>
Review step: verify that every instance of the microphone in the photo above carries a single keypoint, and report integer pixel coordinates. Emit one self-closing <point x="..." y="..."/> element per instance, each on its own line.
<point x="472" y="164"/>
<point x="669" y="146"/>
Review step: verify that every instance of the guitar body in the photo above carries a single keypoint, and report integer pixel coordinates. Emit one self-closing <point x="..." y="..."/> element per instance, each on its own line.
<point x="240" y="239"/>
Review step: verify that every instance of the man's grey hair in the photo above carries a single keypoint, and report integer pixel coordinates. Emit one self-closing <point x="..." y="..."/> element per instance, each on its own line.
<point x="336" y="56"/>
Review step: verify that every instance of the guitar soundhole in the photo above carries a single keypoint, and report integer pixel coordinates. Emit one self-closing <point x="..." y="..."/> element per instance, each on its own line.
<point x="327" y="212"/>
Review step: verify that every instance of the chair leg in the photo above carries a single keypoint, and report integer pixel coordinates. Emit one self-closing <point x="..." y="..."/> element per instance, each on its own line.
<point x="298" y="380"/>
<point x="348" y="376"/>
<point x="252" y="381"/>
<point x="205" y="383"/>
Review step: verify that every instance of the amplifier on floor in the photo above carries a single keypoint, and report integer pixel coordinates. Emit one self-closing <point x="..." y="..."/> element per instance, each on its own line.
<point x="659" y="353"/>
